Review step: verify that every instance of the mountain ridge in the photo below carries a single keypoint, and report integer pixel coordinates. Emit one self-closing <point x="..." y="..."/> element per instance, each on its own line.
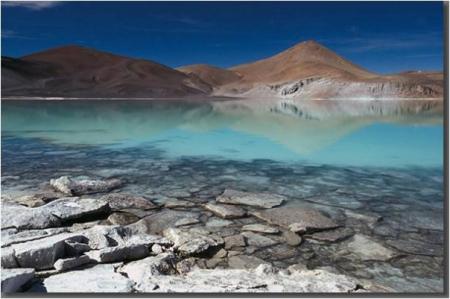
<point x="305" y="70"/>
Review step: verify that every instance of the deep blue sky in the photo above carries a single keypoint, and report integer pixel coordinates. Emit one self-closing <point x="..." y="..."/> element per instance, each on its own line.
<point x="380" y="36"/>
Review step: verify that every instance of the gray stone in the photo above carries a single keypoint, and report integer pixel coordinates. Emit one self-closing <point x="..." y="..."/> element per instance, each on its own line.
<point x="297" y="219"/>
<point x="42" y="253"/>
<point x="14" y="279"/>
<point x="260" y="228"/>
<point x="334" y="235"/>
<point x="186" y="221"/>
<point x="121" y="201"/>
<point x="234" y="241"/>
<point x="97" y="279"/>
<point x="70" y="263"/>
<point x="120" y="218"/>
<point x="73" y="208"/>
<point x="225" y="211"/>
<point x="177" y="204"/>
<point x="119" y="253"/>
<point x="76" y="248"/>
<point x="262" y="200"/>
<point x="244" y="262"/>
<point x="139" y="271"/>
<point x="20" y="217"/>
<point x="30" y="235"/>
<point x="83" y="185"/>
<point x="416" y="247"/>
<point x="292" y="238"/>
<point x="156" y="223"/>
<point x="8" y="258"/>
<point x="257" y="240"/>
<point x="368" y="249"/>
<point x="186" y="265"/>
<point x="190" y="242"/>
<point x="214" y="222"/>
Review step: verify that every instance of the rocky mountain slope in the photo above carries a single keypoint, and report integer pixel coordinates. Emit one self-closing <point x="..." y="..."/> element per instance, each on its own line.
<point x="74" y="71"/>
<point x="307" y="70"/>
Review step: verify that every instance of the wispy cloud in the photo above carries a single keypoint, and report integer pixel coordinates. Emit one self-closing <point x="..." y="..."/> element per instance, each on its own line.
<point x="376" y="43"/>
<point x="13" y="34"/>
<point x="33" y="5"/>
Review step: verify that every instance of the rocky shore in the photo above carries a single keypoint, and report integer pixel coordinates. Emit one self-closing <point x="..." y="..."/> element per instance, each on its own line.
<point x="88" y="231"/>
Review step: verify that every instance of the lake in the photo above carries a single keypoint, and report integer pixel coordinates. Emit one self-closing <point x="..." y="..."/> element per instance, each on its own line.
<point x="376" y="167"/>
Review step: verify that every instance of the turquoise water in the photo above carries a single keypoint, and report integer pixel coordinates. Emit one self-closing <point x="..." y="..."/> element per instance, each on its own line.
<point x="210" y="130"/>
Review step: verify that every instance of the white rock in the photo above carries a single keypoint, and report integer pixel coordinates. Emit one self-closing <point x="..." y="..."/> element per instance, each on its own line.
<point x="249" y="281"/>
<point x="189" y="242"/>
<point x="119" y="253"/>
<point x="139" y="271"/>
<point x="97" y="279"/>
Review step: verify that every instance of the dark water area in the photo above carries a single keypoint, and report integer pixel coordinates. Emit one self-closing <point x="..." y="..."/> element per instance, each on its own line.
<point x="379" y="176"/>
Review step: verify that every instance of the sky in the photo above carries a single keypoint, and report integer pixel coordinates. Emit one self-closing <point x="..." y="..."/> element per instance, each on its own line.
<point x="384" y="37"/>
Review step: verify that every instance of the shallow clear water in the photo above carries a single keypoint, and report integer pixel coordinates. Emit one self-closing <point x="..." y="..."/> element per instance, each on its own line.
<point x="375" y="160"/>
<point x="204" y="130"/>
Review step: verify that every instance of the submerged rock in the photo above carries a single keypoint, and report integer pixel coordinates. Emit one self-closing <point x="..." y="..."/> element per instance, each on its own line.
<point x="186" y="221"/>
<point x="160" y="221"/>
<point x="14" y="279"/>
<point x="334" y="235"/>
<point x="177" y="204"/>
<point x="297" y="219"/>
<point x="368" y="249"/>
<point x="260" y="228"/>
<point x="257" y="240"/>
<point x="261" y="200"/>
<point x="121" y="201"/>
<point x="97" y="279"/>
<point x="122" y="218"/>
<point x="244" y="262"/>
<point x="225" y="211"/>
<point x="83" y="185"/>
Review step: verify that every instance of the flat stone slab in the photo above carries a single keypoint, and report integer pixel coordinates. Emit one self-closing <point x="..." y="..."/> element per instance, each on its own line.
<point x="42" y="253"/>
<point x="186" y="221"/>
<point x="225" y="211"/>
<point x="368" y="249"/>
<point x="70" y="208"/>
<point x="156" y="223"/>
<point x="244" y="262"/>
<point x="234" y="241"/>
<point x="97" y="279"/>
<point x="335" y="235"/>
<point x="258" y="240"/>
<point x="21" y="217"/>
<point x="192" y="242"/>
<point x="119" y="253"/>
<point x="30" y="235"/>
<point x="177" y="204"/>
<point x="260" y="228"/>
<point x="121" y="201"/>
<point x="260" y="279"/>
<point x="70" y="263"/>
<point x="140" y="270"/>
<point x="297" y="219"/>
<point x="261" y="200"/>
<point x="83" y="185"/>
<point x="14" y="279"/>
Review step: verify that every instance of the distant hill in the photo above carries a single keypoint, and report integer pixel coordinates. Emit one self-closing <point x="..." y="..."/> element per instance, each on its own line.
<point x="306" y="70"/>
<point x="75" y="71"/>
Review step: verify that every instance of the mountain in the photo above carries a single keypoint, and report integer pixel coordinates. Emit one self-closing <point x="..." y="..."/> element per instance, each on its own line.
<point x="74" y="71"/>
<point x="307" y="70"/>
<point x="212" y="75"/>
